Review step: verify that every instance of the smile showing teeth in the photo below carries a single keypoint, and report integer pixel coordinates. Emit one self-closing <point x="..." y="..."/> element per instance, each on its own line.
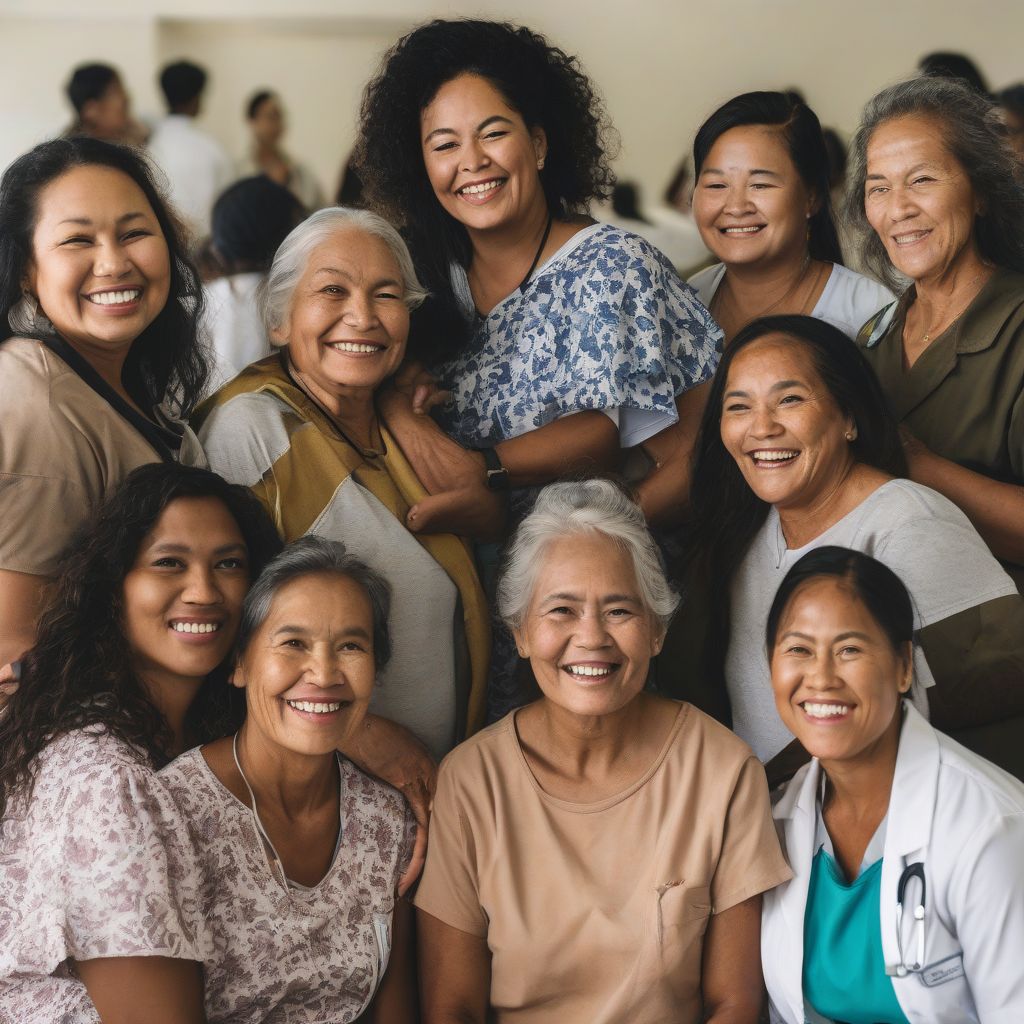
<point x="195" y="627"/>
<point x="476" y="190"/>
<point x="316" y="707"/>
<point x="588" y="670"/>
<point x="355" y="346"/>
<point x="774" y="455"/>
<point x="115" y="298"/>
<point x="752" y="229"/>
<point x="825" y="710"/>
<point x="910" y="238"/>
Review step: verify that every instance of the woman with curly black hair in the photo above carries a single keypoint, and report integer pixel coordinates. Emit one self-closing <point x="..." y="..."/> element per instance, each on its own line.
<point x="561" y="340"/>
<point x="104" y="362"/>
<point x="128" y="670"/>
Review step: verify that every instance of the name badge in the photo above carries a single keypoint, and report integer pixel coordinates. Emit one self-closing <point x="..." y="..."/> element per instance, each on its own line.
<point x="943" y="970"/>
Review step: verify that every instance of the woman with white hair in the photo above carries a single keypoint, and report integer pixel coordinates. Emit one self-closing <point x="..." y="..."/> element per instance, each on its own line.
<point x="301" y="429"/>
<point x="599" y="854"/>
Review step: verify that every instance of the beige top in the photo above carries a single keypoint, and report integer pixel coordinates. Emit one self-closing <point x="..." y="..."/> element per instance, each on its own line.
<point x="596" y="912"/>
<point x="64" y="448"/>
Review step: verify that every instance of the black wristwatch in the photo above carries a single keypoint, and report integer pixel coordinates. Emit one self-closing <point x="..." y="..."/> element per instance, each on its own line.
<point x="497" y="474"/>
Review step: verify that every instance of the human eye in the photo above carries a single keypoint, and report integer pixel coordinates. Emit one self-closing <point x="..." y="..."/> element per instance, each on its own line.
<point x="293" y="643"/>
<point x="388" y="295"/>
<point x="351" y="646"/>
<point x="77" y="240"/>
<point x="798" y="650"/>
<point x="235" y="562"/>
<point x="922" y="179"/>
<point x="168" y="562"/>
<point x="496" y="133"/>
<point x="444" y="147"/>
<point x="332" y="289"/>
<point x="136" y="233"/>
<point x="736" y="406"/>
<point x="791" y="399"/>
<point x="849" y="650"/>
<point x="560" y="610"/>
<point x="876" y="190"/>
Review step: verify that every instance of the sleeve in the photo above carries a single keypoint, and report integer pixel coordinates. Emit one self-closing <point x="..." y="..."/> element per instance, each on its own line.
<point x="449" y="888"/>
<point x="986" y="899"/>
<point x="641" y="336"/>
<point x="408" y="842"/>
<point x="1015" y="437"/>
<point x="99" y="866"/>
<point x="751" y="860"/>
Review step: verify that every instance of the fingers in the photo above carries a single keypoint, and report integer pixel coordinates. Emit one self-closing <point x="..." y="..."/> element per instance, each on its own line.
<point x="469" y="512"/>
<point x="419" y="858"/>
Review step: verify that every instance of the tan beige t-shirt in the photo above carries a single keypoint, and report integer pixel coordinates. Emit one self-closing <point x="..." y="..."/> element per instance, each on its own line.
<point x="63" y="451"/>
<point x="596" y="912"/>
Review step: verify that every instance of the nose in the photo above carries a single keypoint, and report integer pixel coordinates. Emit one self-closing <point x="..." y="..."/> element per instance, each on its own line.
<point x="591" y="631"/>
<point x="738" y="201"/>
<point x="474" y="156"/>
<point x="324" y="669"/>
<point x="901" y="205"/>
<point x="201" y="586"/>
<point x="764" y="423"/>
<point x="820" y="675"/>
<point x="360" y="311"/>
<point x="111" y="260"/>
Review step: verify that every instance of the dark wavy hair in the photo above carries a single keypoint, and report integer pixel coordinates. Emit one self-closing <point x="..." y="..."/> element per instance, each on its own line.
<point x="725" y="514"/>
<point x="801" y="130"/>
<point x="875" y="585"/>
<point x="973" y="132"/>
<point x="166" y="362"/>
<point x="79" y="673"/>
<point x="547" y="87"/>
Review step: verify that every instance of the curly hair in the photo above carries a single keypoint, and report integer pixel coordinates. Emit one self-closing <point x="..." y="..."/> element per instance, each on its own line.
<point x="79" y="673"/>
<point x="166" y="362"/>
<point x="543" y="83"/>
<point x="975" y="135"/>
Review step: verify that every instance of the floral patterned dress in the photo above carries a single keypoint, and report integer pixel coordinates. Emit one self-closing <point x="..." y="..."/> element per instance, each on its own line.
<point x="280" y="954"/>
<point x="92" y="865"/>
<point x="607" y="324"/>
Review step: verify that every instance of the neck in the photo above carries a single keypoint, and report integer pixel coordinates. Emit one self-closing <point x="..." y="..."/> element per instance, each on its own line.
<point x="766" y="279"/>
<point x="291" y="784"/>
<point x="267" y="151"/>
<point x="839" y="496"/>
<point x="353" y="408"/>
<point x="509" y="244"/>
<point x="172" y="696"/>
<point x="107" y="362"/>
<point x="955" y="284"/>
<point x="861" y="785"/>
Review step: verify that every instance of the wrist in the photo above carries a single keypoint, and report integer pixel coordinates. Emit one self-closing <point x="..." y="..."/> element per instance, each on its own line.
<point x="496" y="476"/>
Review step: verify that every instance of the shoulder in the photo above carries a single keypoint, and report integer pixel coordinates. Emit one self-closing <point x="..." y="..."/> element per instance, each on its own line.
<point x="851" y="299"/>
<point x="487" y="754"/>
<point x="702" y="736"/>
<point x="187" y="773"/>
<point x="902" y="502"/>
<point x="980" y="784"/>
<point x="705" y="282"/>
<point x="611" y="249"/>
<point x="369" y="794"/>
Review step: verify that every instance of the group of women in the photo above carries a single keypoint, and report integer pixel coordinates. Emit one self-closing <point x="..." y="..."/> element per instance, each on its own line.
<point x="220" y="647"/>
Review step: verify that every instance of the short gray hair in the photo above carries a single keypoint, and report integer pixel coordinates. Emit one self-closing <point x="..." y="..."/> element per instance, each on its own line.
<point x="276" y="291"/>
<point x="975" y="135"/>
<point x="575" y="507"/>
<point x="316" y="556"/>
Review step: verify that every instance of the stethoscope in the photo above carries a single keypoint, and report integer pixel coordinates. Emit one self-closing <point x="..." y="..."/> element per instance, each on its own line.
<point x="911" y="871"/>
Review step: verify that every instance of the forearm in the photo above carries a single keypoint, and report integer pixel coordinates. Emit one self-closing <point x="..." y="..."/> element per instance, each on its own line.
<point x="583" y="442"/>
<point x="21" y="601"/>
<point x="995" y="508"/>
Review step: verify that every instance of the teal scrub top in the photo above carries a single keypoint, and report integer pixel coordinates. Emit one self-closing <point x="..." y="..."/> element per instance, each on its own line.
<point x="844" y="975"/>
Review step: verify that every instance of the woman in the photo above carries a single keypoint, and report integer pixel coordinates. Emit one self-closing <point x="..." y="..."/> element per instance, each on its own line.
<point x="299" y="852"/>
<point x="560" y="339"/>
<point x="265" y="116"/>
<point x="125" y="674"/>
<point x="301" y="429"/>
<point x="797" y="450"/>
<point x="762" y="202"/>
<point x="907" y="901"/>
<point x="104" y="357"/>
<point x="249" y="221"/>
<point x="534" y="906"/>
<point x="939" y="198"/>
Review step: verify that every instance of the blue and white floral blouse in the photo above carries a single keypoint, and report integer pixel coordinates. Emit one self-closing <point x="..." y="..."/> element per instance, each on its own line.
<point x="605" y="323"/>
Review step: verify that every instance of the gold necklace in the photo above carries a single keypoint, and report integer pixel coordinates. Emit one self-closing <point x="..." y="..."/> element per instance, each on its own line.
<point x="928" y="335"/>
<point x="797" y="281"/>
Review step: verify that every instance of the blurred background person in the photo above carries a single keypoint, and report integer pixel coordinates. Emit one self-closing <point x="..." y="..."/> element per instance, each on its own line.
<point x="945" y="64"/>
<point x="197" y="167"/>
<point x="763" y="206"/>
<point x="250" y="220"/>
<point x="1011" y="104"/>
<point x="350" y="187"/>
<point x="675" y="214"/>
<point x="265" y="116"/>
<point x="102" y="106"/>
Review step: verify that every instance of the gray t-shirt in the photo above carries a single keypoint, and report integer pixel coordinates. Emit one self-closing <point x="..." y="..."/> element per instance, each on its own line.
<point x="922" y="536"/>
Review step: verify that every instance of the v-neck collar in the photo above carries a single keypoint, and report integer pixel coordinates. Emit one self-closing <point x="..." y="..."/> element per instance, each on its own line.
<point x="163" y="440"/>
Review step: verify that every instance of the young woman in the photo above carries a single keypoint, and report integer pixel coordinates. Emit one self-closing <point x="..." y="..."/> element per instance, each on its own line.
<point x="127" y="672"/>
<point x="762" y="204"/>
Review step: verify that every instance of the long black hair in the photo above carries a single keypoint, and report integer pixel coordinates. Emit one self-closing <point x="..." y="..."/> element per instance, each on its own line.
<point x="725" y="514"/>
<point x="166" y="362"/>
<point x="801" y="130"/>
<point x="544" y="84"/>
<point x="80" y="672"/>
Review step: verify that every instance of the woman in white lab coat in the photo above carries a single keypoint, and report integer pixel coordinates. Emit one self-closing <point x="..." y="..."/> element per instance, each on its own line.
<point x="907" y="850"/>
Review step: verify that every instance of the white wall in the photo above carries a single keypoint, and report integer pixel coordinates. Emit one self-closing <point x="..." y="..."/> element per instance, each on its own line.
<point x="661" y="65"/>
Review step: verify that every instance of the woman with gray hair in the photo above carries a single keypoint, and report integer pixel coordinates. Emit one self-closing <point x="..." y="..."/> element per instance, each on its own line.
<point x="599" y="854"/>
<point x="302" y="430"/>
<point x="938" y="197"/>
<point x="298" y="853"/>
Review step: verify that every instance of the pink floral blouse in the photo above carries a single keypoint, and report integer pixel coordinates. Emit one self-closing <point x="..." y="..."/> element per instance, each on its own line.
<point x="278" y="954"/>
<point x="90" y="867"/>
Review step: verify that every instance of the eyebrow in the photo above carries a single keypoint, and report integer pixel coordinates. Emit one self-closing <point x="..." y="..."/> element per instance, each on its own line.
<point x="753" y="170"/>
<point x="486" y="122"/>
<point x="607" y="599"/>
<point x="184" y="549"/>
<point x="781" y="385"/>
<point x="86" y="221"/>
<point x="337" y="272"/>
<point x="850" y="634"/>
<point x="913" y="170"/>
<point x="288" y="630"/>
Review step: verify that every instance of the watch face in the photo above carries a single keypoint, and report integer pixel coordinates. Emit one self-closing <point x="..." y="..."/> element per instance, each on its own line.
<point x="497" y="479"/>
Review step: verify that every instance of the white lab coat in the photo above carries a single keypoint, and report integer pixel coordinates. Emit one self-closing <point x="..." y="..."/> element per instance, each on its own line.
<point x="964" y="819"/>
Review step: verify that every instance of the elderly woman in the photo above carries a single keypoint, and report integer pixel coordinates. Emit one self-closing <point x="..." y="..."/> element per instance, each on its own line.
<point x="600" y="854"/>
<point x="797" y="450"/>
<point x="301" y="428"/>
<point x="907" y="901"/>
<point x="299" y="853"/>
<point x="763" y="205"/>
<point x="103" y="359"/>
<point x="939" y="197"/>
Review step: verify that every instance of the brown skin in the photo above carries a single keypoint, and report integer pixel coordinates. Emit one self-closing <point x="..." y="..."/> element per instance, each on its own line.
<point x="144" y="989"/>
<point x="22" y="598"/>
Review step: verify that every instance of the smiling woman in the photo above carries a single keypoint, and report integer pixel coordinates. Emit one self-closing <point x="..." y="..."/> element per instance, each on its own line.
<point x="103" y="305"/>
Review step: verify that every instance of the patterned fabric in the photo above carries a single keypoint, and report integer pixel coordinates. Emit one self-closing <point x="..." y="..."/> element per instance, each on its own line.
<point x="606" y="323"/>
<point x="91" y="866"/>
<point x="282" y="955"/>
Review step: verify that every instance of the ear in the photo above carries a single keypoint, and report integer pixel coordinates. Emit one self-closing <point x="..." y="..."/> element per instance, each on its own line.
<point x="522" y="645"/>
<point x="237" y="677"/>
<point x="540" y="144"/>
<point x="277" y="337"/>
<point x="656" y="643"/>
<point x="28" y="282"/>
<point x="907" y="679"/>
<point x="813" y="203"/>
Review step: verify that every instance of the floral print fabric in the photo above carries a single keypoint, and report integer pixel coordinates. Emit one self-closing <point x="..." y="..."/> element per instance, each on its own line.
<point x="91" y="866"/>
<point x="291" y="954"/>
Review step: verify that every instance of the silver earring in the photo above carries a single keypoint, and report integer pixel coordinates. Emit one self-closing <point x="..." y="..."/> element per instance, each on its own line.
<point x="540" y="164"/>
<point x="25" y="317"/>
